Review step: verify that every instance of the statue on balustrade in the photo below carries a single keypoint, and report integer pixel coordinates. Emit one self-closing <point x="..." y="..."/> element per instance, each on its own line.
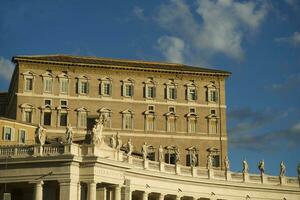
<point x="129" y="147"/>
<point x="119" y="142"/>
<point x="282" y="169"/>
<point x="40" y="135"/>
<point x="97" y="129"/>
<point x="226" y="163"/>
<point x="245" y="167"/>
<point x="209" y="162"/>
<point x="69" y="134"/>
<point x="194" y="158"/>
<point x="145" y="150"/>
<point x="113" y="142"/>
<point x="160" y="154"/>
<point x="261" y="166"/>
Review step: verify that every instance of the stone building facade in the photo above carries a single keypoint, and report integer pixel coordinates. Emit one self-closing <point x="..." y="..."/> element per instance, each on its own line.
<point x="173" y="105"/>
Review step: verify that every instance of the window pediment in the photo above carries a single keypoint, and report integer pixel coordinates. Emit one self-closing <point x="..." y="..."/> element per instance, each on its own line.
<point x="64" y="76"/>
<point x="128" y="80"/>
<point x="212" y="116"/>
<point x="81" y="109"/>
<point x="191" y="114"/>
<point x="47" y="74"/>
<point x="149" y="112"/>
<point x="29" y="73"/>
<point x="104" y="110"/>
<point x="82" y="77"/>
<point x="27" y="106"/>
<point x="192" y="148"/>
<point x="171" y="114"/>
<point x="127" y="111"/>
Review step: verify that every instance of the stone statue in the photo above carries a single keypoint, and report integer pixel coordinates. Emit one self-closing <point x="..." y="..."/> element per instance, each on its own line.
<point x="69" y="134"/>
<point x="119" y="142"/>
<point x="145" y="150"/>
<point x="193" y="159"/>
<point x="209" y="162"/>
<point x="245" y="167"/>
<point x="226" y="163"/>
<point x="97" y="130"/>
<point x="177" y="156"/>
<point x="113" y="142"/>
<point x="282" y="169"/>
<point x="40" y="135"/>
<point x="160" y="154"/>
<point x="129" y="147"/>
<point x="261" y="166"/>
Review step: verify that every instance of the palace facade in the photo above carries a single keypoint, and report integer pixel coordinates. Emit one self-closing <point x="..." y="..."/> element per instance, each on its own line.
<point x="86" y="128"/>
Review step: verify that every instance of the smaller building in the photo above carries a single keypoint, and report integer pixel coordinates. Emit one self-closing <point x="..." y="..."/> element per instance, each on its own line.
<point x="16" y="132"/>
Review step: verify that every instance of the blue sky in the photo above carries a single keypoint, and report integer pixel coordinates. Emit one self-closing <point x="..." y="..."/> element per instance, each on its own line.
<point x="258" y="41"/>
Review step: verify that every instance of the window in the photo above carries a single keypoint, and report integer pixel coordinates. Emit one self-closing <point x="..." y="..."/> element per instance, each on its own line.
<point x="213" y="111"/>
<point x="192" y="110"/>
<point x="48" y="85"/>
<point x="28" y="116"/>
<point x="22" y="136"/>
<point x="106" y="113"/>
<point x="128" y="88"/>
<point x="212" y="123"/>
<point x="150" y="123"/>
<point x="82" y="85"/>
<point x="8" y="133"/>
<point x="189" y="159"/>
<point x="127" y="116"/>
<point x="64" y="86"/>
<point x="82" y="119"/>
<point x="171" y="109"/>
<point x="171" y="124"/>
<point x="171" y="90"/>
<point x="47" y="118"/>
<point x="215" y="160"/>
<point x="191" y="91"/>
<point x="149" y="88"/>
<point x="105" y="87"/>
<point x="28" y="84"/>
<point x="211" y="93"/>
<point x="192" y="125"/>
<point x="63" y="103"/>
<point x="47" y="102"/>
<point x="151" y="108"/>
<point x="213" y="126"/>
<point x="63" y="119"/>
<point x="170" y="158"/>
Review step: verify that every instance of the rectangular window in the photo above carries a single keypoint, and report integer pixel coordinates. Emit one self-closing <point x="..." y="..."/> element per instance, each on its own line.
<point x="22" y="136"/>
<point x="192" y="110"/>
<point x="47" y="102"/>
<point x="127" y="121"/>
<point x="47" y="118"/>
<point x="170" y="158"/>
<point x="48" y="85"/>
<point x="150" y="123"/>
<point x="28" y="116"/>
<point x="106" y="89"/>
<point x="128" y="90"/>
<point x="213" y="126"/>
<point x="192" y="94"/>
<point x="63" y="119"/>
<point x="215" y="160"/>
<point x="172" y="93"/>
<point x="189" y="160"/>
<point x="213" y="111"/>
<point x="192" y="126"/>
<point x="63" y="103"/>
<point x="7" y="133"/>
<point x="83" y="87"/>
<point x="28" y="84"/>
<point x="82" y="119"/>
<point x="64" y="86"/>
<point x="150" y="91"/>
<point x="171" y="125"/>
<point x="213" y="95"/>
<point x="171" y="109"/>
<point x="151" y="108"/>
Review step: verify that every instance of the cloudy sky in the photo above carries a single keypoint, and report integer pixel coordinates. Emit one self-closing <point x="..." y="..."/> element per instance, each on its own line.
<point x="258" y="41"/>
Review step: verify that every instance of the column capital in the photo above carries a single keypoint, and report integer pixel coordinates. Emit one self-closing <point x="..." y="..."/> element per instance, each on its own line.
<point x="38" y="182"/>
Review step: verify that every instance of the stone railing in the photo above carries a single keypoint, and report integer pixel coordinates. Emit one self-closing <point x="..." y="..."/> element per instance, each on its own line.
<point x="17" y="151"/>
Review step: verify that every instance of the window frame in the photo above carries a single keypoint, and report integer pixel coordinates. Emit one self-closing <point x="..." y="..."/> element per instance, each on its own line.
<point x="25" y="136"/>
<point x="12" y="132"/>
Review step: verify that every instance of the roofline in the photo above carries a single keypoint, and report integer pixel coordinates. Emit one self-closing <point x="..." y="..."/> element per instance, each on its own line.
<point x="18" y="121"/>
<point x="82" y="64"/>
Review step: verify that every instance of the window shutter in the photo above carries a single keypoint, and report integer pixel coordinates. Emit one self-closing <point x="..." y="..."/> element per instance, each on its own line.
<point x="206" y="95"/>
<point x="77" y="87"/>
<point x="144" y="91"/>
<point x="217" y="95"/>
<point x="12" y="134"/>
<point x="122" y="89"/>
<point x="132" y="90"/>
<point x="154" y="91"/>
<point x="166" y="93"/>
<point x="3" y="134"/>
<point x="100" y="88"/>
<point x="87" y="87"/>
<point x="110" y="89"/>
<point x="175" y="93"/>
<point x="186" y="94"/>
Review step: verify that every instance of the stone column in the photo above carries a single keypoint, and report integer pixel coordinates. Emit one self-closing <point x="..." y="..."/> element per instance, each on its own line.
<point x="92" y="190"/>
<point x="161" y="196"/>
<point x="102" y="193"/>
<point x="117" y="192"/>
<point x="145" y="195"/>
<point x="68" y="190"/>
<point x="79" y="191"/>
<point x="38" y="190"/>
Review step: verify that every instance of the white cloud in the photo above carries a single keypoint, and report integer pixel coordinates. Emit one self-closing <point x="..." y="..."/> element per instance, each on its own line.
<point x="293" y="39"/>
<point x="172" y="48"/>
<point x="6" y="68"/>
<point x="139" y="13"/>
<point x="218" y="26"/>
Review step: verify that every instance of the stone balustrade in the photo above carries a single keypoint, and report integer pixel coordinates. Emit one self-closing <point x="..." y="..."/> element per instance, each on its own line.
<point x="17" y="151"/>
